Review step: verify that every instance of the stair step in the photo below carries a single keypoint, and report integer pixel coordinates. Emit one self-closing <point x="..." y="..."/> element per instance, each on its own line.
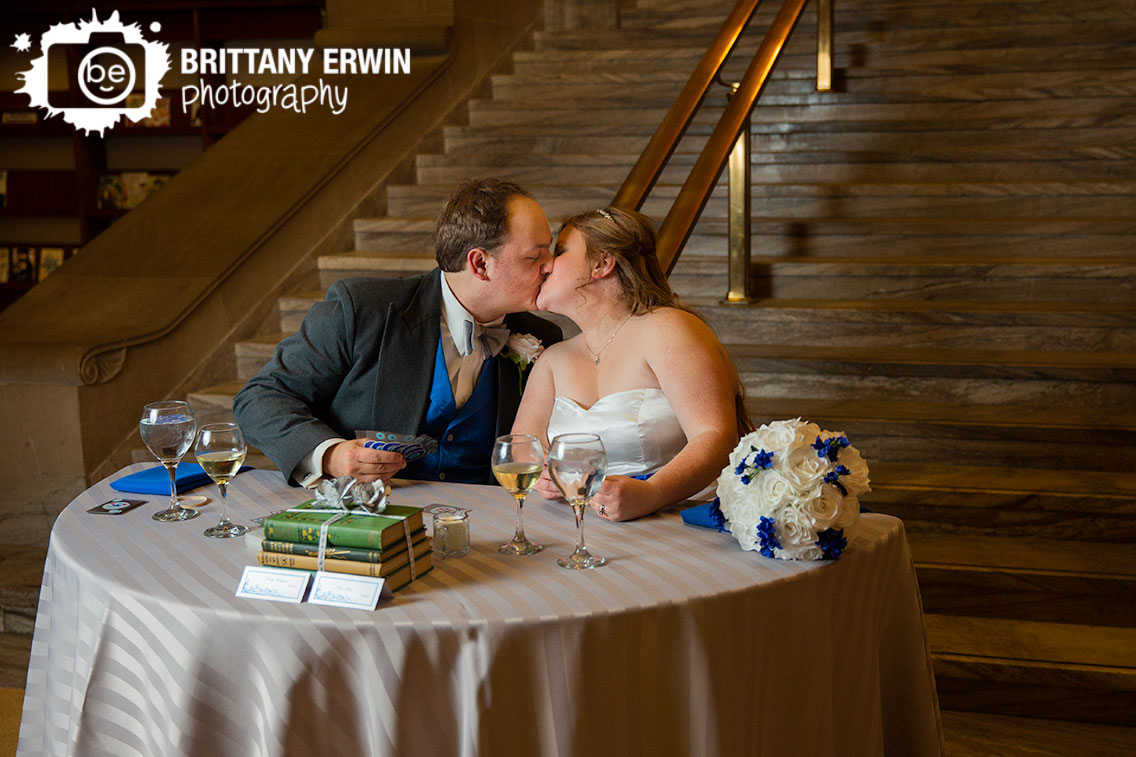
<point x="917" y="324"/>
<point x="1035" y="669"/>
<point x="969" y="145"/>
<point x="973" y="734"/>
<point x="944" y="500"/>
<point x="1031" y="579"/>
<point x="884" y="36"/>
<point x="870" y="61"/>
<point x="782" y="90"/>
<point x="1021" y="201"/>
<point x="994" y="434"/>
<point x="613" y="169"/>
<point x="1103" y="279"/>
<point x="380" y="264"/>
<point x="388" y="233"/>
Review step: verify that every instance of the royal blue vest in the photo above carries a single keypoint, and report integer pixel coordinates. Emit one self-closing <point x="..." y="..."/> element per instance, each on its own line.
<point x="465" y="437"/>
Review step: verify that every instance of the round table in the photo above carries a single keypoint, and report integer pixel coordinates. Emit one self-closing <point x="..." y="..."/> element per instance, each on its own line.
<point x="682" y="644"/>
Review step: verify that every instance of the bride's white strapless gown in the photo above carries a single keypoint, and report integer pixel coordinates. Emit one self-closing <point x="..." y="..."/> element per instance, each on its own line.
<point x="638" y="428"/>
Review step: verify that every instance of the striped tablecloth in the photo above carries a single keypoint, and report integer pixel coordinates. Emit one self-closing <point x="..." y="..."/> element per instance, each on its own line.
<point x="683" y="644"/>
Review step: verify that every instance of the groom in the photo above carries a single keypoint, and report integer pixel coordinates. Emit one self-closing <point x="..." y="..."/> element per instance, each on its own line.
<point x="419" y="355"/>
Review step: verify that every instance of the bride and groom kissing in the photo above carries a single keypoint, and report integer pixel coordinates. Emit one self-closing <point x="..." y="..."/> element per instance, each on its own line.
<point x="437" y="354"/>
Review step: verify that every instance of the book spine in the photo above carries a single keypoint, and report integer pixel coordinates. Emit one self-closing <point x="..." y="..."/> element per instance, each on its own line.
<point x="335" y="553"/>
<point x="395" y="575"/>
<point x="347" y="533"/>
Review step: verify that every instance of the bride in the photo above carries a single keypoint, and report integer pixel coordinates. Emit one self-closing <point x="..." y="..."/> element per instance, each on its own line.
<point x="645" y="374"/>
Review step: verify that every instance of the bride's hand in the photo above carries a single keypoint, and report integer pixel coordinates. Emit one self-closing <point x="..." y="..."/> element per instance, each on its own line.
<point x="545" y="488"/>
<point x="623" y="498"/>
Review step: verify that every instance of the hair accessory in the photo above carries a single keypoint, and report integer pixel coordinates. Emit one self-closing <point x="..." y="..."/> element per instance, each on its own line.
<point x="605" y="214"/>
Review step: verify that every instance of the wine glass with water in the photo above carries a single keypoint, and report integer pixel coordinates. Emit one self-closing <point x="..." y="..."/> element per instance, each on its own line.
<point x="220" y="451"/>
<point x="577" y="464"/>
<point x="517" y="462"/>
<point x="167" y="430"/>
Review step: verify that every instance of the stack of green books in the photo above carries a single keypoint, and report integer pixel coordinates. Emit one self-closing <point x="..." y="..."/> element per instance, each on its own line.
<point x="365" y="545"/>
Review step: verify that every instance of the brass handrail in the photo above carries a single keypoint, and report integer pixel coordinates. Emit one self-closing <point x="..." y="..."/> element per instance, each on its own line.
<point x="695" y="192"/>
<point x="727" y="138"/>
<point x="658" y="151"/>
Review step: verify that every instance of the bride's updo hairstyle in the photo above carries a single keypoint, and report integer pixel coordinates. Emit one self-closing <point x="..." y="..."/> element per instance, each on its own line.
<point x="629" y="237"/>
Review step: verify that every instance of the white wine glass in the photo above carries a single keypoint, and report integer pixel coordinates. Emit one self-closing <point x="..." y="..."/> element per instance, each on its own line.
<point x="577" y="464"/>
<point x="517" y="462"/>
<point x="167" y="429"/>
<point x="220" y="451"/>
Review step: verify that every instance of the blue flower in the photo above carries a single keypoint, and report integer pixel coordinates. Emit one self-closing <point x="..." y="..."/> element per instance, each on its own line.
<point x="832" y="543"/>
<point x="716" y="516"/>
<point x="833" y="477"/>
<point x="830" y="448"/>
<point x="746" y="470"/>
<point x="767" y="536"/>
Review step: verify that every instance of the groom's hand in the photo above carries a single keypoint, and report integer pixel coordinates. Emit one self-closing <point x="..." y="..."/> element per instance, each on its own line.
<point x="351" y="458"/>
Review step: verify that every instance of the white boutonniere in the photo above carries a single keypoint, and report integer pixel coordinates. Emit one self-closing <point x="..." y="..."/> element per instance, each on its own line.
<point x="523" y="350"/>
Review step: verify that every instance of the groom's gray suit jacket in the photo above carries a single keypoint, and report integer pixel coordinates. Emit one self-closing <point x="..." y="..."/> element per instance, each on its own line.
<point x="362" y="359"/>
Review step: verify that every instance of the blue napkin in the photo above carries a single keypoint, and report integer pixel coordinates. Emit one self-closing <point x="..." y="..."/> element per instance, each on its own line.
<point x="157" y="481"/>
<point x="699" y="515"/>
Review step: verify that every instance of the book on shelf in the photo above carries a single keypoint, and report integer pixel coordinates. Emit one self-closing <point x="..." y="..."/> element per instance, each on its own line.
<point x="50" y="258"/>
<point x="159" y="116"/>
<point x="375" y="532"/>
<point x="4" y="252"/>
<point x="393" y="563"/>
<point x="22" y="269"/>
<point x="341" y="553"/>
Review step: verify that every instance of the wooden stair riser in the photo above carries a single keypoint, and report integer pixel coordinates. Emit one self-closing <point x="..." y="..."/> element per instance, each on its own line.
<point x="613" y="170"/>
<point x="1056" y="692"/>
<point x="1021" y="595"/>
<point x="924" y="329"/>
<point x="884" y="38"/>
<point x="780" y="90"/>
<point x="1024" y="207"/>
<point x="959" y="389"/>
<point x="1112" y="143"/>
<point x="867" y="62"/>
<point x="948" y="520"/>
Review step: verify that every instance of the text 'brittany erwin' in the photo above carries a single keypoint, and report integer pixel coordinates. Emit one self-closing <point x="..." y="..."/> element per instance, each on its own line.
<point x="295" y="61"/>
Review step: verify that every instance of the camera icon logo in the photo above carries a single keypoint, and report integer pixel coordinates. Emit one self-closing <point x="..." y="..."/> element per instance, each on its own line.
<point x="108" y="61"/>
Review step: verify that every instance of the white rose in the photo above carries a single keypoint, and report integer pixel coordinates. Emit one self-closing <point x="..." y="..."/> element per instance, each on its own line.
<point x="848" y="515"/>
<point x="773" y="491"/>
<point x="795" y="529"/>
<point x="856" y="482"/>
<point x="803" y="468"/>
<point x="825" y="507"/>
<point x="776" y="436"/>
<point x="526" y="346"/>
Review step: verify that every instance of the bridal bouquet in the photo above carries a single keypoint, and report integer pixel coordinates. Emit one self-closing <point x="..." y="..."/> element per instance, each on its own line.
<point x="791" y="491"/>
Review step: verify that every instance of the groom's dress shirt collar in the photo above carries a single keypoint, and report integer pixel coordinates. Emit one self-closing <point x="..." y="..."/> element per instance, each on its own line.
<point x="455" y="319"/>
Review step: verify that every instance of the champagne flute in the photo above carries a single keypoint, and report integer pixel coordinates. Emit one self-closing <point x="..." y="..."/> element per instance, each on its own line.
<point x="167" y="430"/>
<point x="577" y="464"/>
<point x="517" y="462"/>
<point x="220" y="451"/>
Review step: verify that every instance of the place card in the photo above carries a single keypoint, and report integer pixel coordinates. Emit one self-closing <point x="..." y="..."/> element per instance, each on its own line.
<point x="276" y="584"/>
<point x="346" y="590"/>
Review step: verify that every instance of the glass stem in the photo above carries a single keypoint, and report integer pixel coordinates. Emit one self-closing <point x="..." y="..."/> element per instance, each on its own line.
<point x="579" y="511"/>
<point x="519" y="536"/>
<point x="224" y="504"/>
<point x="171" y="468"/>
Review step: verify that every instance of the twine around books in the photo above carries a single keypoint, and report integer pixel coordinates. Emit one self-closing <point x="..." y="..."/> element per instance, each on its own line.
<point x="345" y="496"/>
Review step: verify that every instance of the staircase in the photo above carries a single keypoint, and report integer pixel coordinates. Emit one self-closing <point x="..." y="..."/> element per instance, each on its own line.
<point x="946" y="253"/>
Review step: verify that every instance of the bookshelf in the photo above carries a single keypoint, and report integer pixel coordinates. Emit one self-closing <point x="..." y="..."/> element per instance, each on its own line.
<point x="62" y="188"/>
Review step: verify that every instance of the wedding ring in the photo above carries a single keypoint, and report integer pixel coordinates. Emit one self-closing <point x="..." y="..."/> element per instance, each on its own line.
<point x="603" y="509"/>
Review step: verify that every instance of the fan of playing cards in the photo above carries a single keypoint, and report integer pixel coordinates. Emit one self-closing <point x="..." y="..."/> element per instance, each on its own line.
<point x="410" y="447"/>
